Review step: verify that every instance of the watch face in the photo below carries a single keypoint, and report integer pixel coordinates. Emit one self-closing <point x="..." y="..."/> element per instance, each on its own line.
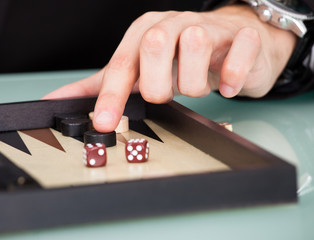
<point x="295" y="6"/>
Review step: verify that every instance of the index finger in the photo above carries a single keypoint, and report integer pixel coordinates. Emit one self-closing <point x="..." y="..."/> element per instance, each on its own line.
<point x="120" y="75"/>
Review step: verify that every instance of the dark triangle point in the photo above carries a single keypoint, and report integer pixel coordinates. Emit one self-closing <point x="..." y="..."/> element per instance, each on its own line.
<point x="13" y="139"/>
<point x="44" y="135"/>
<point x="141" y="127"/>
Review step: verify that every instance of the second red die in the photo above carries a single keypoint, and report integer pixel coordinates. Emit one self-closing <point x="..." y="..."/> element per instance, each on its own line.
<point x="137" y="150"/>
<point x="94" y="155"/>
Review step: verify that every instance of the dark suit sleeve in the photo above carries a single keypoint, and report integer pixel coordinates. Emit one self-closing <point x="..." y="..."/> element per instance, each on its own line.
<point x="309" y="3"/>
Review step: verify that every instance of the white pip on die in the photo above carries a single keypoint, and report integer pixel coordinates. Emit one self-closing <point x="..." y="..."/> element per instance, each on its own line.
<point x="137" y="150"/>
<point x="94" y="155"/>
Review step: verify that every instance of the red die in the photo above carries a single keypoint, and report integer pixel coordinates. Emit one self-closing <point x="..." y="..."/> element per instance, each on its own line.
<point x="137" y="150"/>
<point x="95" y="155"/>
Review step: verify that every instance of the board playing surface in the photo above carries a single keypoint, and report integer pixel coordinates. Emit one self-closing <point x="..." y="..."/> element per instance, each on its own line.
<point x="61" y="165"/>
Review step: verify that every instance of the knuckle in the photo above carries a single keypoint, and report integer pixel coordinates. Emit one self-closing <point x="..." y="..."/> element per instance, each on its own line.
<point x="194" y="91"/>
<point x="154" y="40"/>
<point x="148" y="16"/>
<point x="153" y="16"/>
<point x="120" y="62"/>
<point x="194" y="37"/>
<point x="103" y="96"/>
<point x="250" y="33"/>
<point x="153" y="96"/>
<point x="193" y="16"/>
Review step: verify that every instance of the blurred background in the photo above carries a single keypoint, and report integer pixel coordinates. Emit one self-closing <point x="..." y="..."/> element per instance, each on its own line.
<point x="37" y="35"/>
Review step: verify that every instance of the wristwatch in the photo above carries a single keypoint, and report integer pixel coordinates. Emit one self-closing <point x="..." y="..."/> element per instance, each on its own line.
<point x="291" y="15"/>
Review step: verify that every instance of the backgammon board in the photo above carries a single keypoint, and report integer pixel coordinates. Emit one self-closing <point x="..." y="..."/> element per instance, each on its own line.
<point x="194" y="164"/>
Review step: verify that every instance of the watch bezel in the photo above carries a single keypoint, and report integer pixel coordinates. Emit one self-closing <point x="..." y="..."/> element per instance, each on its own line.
<point x="280" y="8"/>
<point x="281" y="16"/>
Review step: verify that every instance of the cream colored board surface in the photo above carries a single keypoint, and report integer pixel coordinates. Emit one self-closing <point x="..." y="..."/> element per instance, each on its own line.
<point x="54" y="168"/>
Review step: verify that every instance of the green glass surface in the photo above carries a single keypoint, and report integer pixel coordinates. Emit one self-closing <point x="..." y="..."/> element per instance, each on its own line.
<point x="283" y="127"/>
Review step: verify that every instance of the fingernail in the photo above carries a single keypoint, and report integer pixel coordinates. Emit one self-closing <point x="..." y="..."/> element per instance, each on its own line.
<point x="104" y="118"/>
<point x="227" y="91"/>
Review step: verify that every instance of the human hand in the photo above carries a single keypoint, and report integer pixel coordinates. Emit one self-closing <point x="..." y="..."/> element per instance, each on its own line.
<point x="229" y="49"/>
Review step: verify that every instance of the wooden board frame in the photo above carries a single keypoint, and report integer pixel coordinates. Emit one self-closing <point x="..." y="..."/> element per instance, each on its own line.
<point x="257" y="176"/>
